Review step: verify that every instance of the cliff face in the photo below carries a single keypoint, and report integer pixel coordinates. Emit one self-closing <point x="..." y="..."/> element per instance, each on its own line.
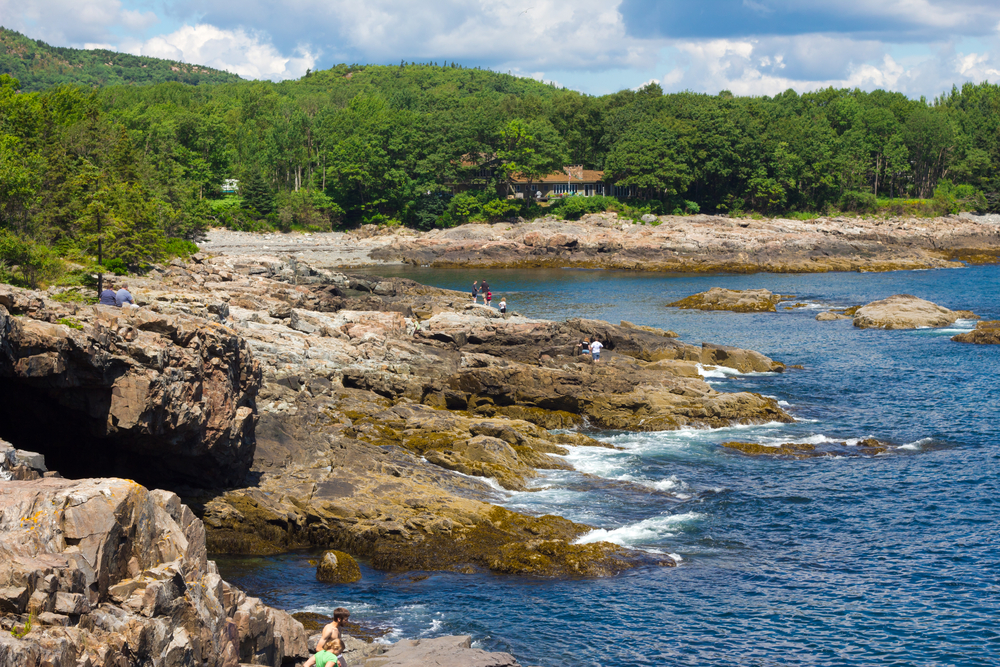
<point x="108" y="573"/>
<point x="163" y="399"/>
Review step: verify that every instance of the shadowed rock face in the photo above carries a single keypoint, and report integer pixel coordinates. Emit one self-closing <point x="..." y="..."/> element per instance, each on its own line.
<point x="164" y="399"/>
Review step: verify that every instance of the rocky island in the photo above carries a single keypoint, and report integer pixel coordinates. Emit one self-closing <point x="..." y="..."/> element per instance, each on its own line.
<point x="291" y="406"/>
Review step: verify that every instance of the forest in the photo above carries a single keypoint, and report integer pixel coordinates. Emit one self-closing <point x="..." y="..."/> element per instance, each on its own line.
<point x="140" y="168"/>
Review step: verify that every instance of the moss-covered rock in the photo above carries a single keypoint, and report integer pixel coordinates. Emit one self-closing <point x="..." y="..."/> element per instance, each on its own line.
<point x="739" y="301"/>
<point x="336" y="567"/>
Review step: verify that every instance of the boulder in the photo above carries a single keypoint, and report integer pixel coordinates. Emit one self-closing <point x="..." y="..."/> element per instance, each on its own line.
<point x="830" y="316"/>
<point x="336" y="567"/>
<point x="905" y="311"/>
<point x="985" y="333"/>
<point x="739" y="301"/>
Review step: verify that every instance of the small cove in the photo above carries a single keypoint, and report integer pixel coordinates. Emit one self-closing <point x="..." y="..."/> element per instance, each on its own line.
<point x="844" y="560"/>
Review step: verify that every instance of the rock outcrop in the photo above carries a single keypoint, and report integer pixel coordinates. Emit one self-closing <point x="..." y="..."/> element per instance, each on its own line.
<point x="905" y="311"/>
<point x="104" y="572"/>
<point x="739" y="301"/>
<point x="985" y="333"/>
<point x="831" y="316"/>
<point x="164" y="399"/>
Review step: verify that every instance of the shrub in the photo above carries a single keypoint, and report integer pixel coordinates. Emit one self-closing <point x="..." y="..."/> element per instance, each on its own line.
<point x="180" y="248"/>
<point x="116" y="266"/>
<point x="25" y="262"/>
<point x="858" y="202"/>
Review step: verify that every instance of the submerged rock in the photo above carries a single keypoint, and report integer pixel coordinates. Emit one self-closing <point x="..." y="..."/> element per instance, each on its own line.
<point x="336" y="567"/>
<point x="905" y="311"/>
<point x="985" y="333"/>
<point x="739" y="301"/>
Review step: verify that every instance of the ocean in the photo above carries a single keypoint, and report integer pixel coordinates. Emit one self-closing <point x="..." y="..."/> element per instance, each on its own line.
<point x="847" y="560"/>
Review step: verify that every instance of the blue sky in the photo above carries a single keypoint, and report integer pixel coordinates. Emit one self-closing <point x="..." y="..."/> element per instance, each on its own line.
<point x="751" y="47"/>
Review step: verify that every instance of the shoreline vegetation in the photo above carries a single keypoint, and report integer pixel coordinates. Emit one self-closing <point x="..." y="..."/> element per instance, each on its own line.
<point x="117" y="177"/>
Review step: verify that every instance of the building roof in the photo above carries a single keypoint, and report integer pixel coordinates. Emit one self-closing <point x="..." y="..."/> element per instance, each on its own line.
<point x="568" y="175"/>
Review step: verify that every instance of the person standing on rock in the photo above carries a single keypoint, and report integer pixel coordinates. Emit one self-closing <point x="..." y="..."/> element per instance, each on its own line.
<point x="595" y="349"/>
<point x="123" y="296"/>
<point x="584" y="346"/>
<point x="503" y="306"/>
<point x="475" y="291"/>
<point x="489" y="297"/>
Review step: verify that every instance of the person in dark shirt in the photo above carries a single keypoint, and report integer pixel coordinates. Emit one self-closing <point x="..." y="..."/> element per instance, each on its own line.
<point x="108" y="296"/>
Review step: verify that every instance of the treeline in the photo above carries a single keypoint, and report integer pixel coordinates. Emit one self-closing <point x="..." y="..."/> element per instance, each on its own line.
<point x="134" y="166"/>
<point x="39" y="66"/>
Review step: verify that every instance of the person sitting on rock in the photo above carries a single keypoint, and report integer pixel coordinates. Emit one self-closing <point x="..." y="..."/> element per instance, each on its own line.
<point x="108" y="296"/>
<point x="331" y="654"/>
<point x="123" y="296"/>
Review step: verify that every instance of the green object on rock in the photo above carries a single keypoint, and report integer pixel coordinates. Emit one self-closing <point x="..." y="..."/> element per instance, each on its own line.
<point x="336" y="567"/>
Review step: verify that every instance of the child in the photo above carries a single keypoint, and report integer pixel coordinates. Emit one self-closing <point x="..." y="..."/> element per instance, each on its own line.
<point x="489" y="298"/>
<point x="503" y="305"/>
<point x="330" y="655"/>
<point x="595" y="349"/>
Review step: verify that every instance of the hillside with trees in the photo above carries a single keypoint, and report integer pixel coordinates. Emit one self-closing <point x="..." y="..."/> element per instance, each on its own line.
<point x="137" y="166"/>
<point x="39" y="66"/>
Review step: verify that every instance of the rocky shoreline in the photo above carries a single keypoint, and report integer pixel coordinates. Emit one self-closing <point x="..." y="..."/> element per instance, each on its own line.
<point x="291" y="406"/>
<point x="688" y="244"/>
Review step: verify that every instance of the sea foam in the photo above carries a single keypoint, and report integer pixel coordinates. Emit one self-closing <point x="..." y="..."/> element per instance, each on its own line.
<point x="647" y="531"/>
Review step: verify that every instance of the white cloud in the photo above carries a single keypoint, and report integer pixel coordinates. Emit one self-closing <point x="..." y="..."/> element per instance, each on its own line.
<point x="248" y="54"/>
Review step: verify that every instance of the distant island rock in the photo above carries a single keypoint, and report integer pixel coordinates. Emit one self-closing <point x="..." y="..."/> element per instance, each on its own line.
<point x="739" y="301"/>
<point x="905" y="311"/>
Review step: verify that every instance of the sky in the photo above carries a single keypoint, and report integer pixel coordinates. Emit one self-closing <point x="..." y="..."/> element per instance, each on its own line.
<point x="749" y="47"/>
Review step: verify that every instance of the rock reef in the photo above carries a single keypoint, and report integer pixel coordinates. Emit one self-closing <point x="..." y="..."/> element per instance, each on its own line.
<point x="738" y="301"/>
<point x="985" y="333"/>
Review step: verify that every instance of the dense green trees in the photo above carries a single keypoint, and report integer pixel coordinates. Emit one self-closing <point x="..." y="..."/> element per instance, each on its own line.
<point x="133" y="166"/>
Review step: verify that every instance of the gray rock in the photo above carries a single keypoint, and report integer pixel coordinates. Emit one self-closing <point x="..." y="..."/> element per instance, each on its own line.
<point x="453" y="651"/>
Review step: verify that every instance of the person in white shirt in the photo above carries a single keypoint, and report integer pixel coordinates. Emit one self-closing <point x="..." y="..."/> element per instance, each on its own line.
<point x="595" y="350"/>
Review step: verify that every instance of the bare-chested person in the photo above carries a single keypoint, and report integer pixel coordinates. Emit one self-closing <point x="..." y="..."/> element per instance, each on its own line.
<point x="330" y="633"/>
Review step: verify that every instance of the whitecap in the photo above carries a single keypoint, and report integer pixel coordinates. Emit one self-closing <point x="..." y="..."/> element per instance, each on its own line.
<point x="642" y="532"/>
<point x="916" y="445"/>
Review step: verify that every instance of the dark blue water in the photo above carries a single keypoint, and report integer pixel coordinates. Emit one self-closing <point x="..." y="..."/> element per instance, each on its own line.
<point x="889" y="560"/>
